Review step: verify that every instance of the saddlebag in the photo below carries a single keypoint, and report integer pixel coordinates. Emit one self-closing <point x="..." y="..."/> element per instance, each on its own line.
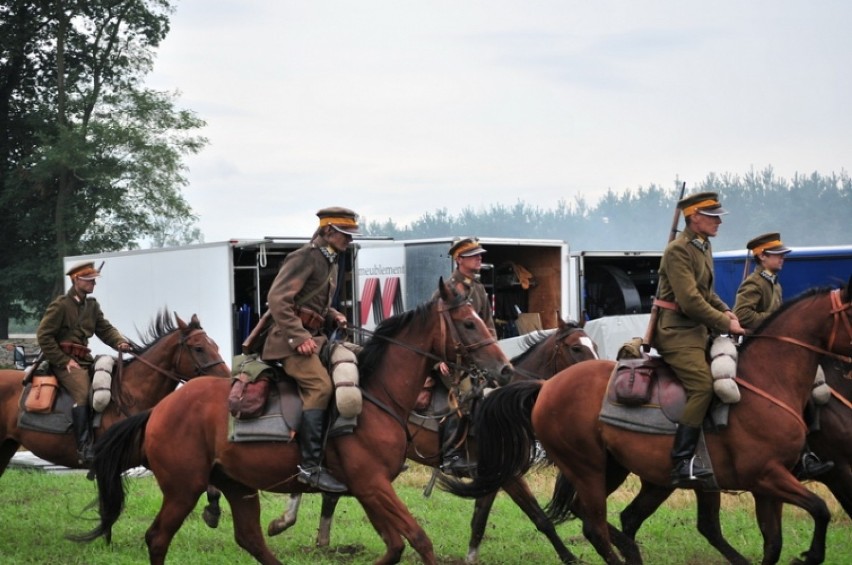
<point x="42" y="394"/>
<point x="633" y="380"/>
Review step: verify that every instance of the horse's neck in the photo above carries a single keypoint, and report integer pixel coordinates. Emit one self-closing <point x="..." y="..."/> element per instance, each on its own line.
<point x="141" y="385"/>
<point x="538" y="361"/>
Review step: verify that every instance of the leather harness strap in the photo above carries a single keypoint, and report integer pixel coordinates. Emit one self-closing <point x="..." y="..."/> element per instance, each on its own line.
<point x="772" y="399"/>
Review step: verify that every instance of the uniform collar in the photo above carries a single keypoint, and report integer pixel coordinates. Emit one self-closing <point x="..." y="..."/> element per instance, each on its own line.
<point x="771" y="277"/>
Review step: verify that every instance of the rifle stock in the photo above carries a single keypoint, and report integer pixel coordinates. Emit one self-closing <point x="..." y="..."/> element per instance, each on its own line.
<point x="655" y="310"/>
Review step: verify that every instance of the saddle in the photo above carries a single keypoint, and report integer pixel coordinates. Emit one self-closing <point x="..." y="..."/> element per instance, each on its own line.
<point x="644" y="395"/>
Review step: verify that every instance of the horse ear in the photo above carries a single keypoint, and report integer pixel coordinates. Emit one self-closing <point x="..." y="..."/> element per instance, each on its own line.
<point x="194" y="320"/>
<point x="181" y="324"/>
<point x="443" y="290"/>
<point x="561" y="324"/>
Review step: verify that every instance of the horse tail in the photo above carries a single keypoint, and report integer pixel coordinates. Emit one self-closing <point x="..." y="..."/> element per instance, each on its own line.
<point x="559" y="507"/>
<point x="118" y="450"/>
<point x="506" y="445"/>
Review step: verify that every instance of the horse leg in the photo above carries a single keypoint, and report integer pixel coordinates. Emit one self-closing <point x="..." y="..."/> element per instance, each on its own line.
<point x="839" y="482"/>
<point x="393" y="521"/>
<point x="709" y="504"/>
<point x="519" y="491"/>
<point x="481" y="510"/>
<point x="245" y="507"/>
<point x="329" y="504"/>
<point x="768" y="511"/>
<point x="177" y="504"/>
<point x="212" y="512"/>
<point x="7" y="450"/>
<point x="288" y="518"/>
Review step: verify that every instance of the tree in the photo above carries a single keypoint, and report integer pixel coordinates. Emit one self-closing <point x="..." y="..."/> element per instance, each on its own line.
<point x="90" y="159"/>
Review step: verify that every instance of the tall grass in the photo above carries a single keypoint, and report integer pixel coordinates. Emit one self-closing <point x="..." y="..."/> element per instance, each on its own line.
<point x="38" y="509"/>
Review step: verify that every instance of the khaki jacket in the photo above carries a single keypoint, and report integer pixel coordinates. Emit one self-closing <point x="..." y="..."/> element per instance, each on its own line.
<point x="68" y="318"/>
<point x="686" y="278"/>
<point x="757" y="298"/>
<point x="302" y="273"/>
<point x="475" y="292"/>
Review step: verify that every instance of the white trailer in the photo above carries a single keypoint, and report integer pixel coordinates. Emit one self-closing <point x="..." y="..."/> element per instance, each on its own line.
<point x="224" y="283"/>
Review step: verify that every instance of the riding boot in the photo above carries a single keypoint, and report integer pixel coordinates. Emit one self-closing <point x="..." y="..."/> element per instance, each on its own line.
<point x="455" y="458"/>
<point x="82" y="433"/>
<point x="687" y="469"/>
<point x="310" y="441"/>
<point x="809" y="465"/>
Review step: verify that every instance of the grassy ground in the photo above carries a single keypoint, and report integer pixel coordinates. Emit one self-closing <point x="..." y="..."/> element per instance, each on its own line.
<point x="37" y="509"/>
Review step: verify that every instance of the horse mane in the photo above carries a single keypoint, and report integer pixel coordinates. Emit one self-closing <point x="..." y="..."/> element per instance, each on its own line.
<point x="162" y="325"/>
<point x="374" y="350"/>
<point x="805" y="295"/>
<point x="535" y="339"/>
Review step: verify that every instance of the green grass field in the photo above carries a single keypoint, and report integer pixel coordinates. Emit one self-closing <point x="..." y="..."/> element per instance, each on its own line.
<point x="38" y="509"/>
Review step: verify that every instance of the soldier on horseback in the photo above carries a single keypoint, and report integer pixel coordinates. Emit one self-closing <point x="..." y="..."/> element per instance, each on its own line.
<point x="300" y="304"/>
<point x="467" y="254"/>
<point x="689" y="309"/>
<point x="758" y="296"/>
<point x="63" y="335"/>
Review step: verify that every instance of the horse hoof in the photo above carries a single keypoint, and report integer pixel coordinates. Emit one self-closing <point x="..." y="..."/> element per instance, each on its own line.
<point x="211" y="517"/>
<point x="278" y="525"/>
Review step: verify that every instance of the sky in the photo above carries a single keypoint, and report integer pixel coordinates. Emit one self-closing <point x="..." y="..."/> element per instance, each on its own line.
<point x="398" y="108"/>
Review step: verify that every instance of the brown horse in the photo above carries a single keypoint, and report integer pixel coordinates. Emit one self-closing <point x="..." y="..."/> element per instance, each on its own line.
<point x="755" y="452"/>
<point x="831" y="442"/>
<point x="172" y="354"/>
<point x="184" y="439"/>
<point x="545" y="355"/>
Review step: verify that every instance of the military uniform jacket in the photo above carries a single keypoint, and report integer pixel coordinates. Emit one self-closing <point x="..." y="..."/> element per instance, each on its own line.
<point x="474" y="291"/>
<point x="70" y="318"/>
<point x="302" y="273"/>
<point x="758" y="297"/>
<point x="686" y="278"/>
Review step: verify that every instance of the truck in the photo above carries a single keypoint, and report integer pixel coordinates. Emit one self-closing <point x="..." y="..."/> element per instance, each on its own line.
<point x="531" y="282"/>
<point x="804" y="268"/>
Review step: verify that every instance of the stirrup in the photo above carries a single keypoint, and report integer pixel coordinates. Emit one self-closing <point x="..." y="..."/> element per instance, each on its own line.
<point x="694" y="473"/>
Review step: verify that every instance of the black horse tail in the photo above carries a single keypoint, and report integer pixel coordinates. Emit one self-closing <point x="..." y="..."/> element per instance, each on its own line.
<point x="559" y="507"/>
<point x="118" y="450"/>
<point x="504" y="437"/>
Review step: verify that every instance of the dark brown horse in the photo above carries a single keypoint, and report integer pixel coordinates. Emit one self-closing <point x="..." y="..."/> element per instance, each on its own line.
<point x="172" y="354"/>
<point x="755" y="452"/>
<point x="545" y="355"/>
<point x="184" y="439"/>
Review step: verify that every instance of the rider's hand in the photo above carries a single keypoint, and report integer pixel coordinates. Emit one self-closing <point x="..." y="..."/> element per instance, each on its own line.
<point x="736" y="328"/>
<point x="72" y="364"/>
<point x="308" y="347"/>
<point x="442" y="368"/>
<point x="341" y="321"/>
<point x="125" y="347"/>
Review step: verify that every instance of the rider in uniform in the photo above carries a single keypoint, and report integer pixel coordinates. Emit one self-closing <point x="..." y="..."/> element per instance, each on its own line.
<point x="689" y="310"/>
<point x="300" y="304"/>
<point x="467" y="254"/>
<point x="758" y="297"/>
<point x="63" y="335"/>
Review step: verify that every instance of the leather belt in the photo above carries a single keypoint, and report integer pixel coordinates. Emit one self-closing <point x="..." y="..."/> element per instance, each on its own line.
<point x="667" y="305"/>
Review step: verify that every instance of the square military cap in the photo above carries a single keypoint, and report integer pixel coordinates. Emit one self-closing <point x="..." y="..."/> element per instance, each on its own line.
<point x="343" y="220"/>
<point x="706" y="203"/>
<point x="466" y="247"/>
<point x="769" y="243"/>
<point x="84" y="271"/>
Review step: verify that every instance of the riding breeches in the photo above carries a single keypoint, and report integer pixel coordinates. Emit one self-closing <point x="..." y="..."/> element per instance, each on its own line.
<point x="690" y="367"/>
<point x="313" y="379"/>
<point x="76" y="382"/>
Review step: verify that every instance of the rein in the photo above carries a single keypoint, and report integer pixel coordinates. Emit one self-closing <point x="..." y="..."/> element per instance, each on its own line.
<point x="839" y="311"/>
<point x="840" y="314"/>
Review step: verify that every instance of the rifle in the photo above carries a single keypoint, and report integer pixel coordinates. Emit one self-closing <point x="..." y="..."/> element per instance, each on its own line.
<point x="28" y="372"/>
<point x="655" y="310"/>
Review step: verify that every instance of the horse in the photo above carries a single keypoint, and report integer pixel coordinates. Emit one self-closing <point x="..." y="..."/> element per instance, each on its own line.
<point x="754" y="452"/>
<point x="832" y="441"/>
<point x="171" y="353"/>
<point x="184" y="439"/>
<point x="546" y="354"/>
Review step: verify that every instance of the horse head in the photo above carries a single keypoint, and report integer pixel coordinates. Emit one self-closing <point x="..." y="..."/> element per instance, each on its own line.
<point x="573" y="345"/>
<point x="465" y="335"/>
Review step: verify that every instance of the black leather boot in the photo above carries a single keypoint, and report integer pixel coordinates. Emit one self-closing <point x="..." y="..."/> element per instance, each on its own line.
<point x="310" y="441"/>
<point x="82" y="433"/>
<point x="688" y="469"/>
<point x="455" y="458"/>
<point x="809" y="466"/>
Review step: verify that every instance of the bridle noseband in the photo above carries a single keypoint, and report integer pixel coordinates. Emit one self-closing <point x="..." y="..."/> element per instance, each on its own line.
<point x="183" y="344"/>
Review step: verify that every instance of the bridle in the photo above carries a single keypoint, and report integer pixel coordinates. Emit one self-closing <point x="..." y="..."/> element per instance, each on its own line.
<point x="840" y="312"/>
<point x="460" y="349"/>
<point x="564" y="351"/>
<point x="199" y="367"/>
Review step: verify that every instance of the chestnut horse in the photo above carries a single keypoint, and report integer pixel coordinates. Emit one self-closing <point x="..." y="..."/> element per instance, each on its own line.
<point x="172" y="354"/>
<point x="184" y="439"/>
<point x="546" y="354"/>
<point x="755" y="452"/>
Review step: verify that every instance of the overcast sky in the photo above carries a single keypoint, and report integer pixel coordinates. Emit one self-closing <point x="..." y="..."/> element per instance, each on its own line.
<point x="397" y="108"/>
